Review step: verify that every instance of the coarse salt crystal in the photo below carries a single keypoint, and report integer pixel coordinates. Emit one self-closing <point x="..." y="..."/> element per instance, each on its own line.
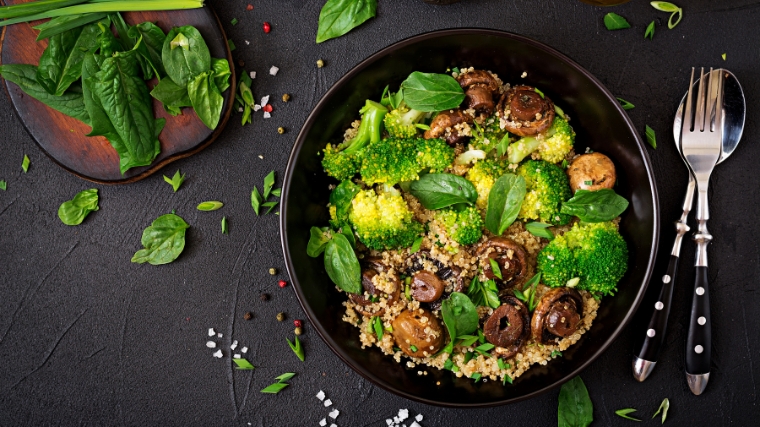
<point x="321" y="395"/>
<point x="211" y="332"/>
<point x="333" y="425"/>
<point x="256" y="107"/>
<point x="219" y="335"/>
<point x="261" y="157"/>
<point x="252" y="74"/>
<point x="396" y="420"/>
<point x="234" y="345"/>
<point x="211" y="344"/>
<point x="218" y="354"/>
<point x="403" y="414"/>
<point x="328" y="402"/>
<point x="247" y="42"/>
<point x="414" y="424"/>
<point x="267" y="115"/>
<point x="524" y="74"/>
<point x="389" y="421"/>
<point x="334" y="414"/>
<point x="244" y="350"/>
<point x="236" y="356"/>
<point x="323" y="422"/>
<point x="273" y="71"/>
<point x="265" y="100"/>
<point x="418" y="417"/>
<point x="240" y="110"/>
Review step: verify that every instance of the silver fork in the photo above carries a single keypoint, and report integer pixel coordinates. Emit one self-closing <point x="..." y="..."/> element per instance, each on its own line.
<point x="701" y="138"/>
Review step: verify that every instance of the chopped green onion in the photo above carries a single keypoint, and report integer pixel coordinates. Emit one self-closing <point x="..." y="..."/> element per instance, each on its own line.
<point x="234" y="21"/>
<point x="224" y="225"/>
<point x="495" y="268"/>
<point x="25" y="163"/>
<point x="623" y="413"/>
<point x="275" y="388"/>
<point x="286" y="376"/>
<point x="413" y="348"/>
<point x="210" y="206"/>
<point x="231" y="45"/>
<point x="296" y="347"/>
<point x="243" y="364"/>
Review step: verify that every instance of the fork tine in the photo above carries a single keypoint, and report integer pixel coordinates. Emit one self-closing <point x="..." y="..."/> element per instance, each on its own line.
<point x="699" y="113"/>
<point x="711" y="98"/>
<point x="687" y="108"/>
<point x="718" y="123"/>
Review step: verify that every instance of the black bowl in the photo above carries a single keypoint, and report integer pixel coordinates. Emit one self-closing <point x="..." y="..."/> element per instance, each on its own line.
<point x="600" y="124"/>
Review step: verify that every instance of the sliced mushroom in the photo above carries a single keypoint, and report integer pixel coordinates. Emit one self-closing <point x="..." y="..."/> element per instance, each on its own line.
<point x="451" y="275"/>
<point x="508" y="327"/>
<point x="478" y="77"/>
<point x="524" y="112"/>
<point x="512" y="260"/>
<point x="480" y="88"/>
<point x="593" y="171"/>
<point x="417" y="332"/>
<point x="373" y="266"/>
<point x="426" y="286"/>
<point x="558" y="315"/>
<point x="443" y="126"/>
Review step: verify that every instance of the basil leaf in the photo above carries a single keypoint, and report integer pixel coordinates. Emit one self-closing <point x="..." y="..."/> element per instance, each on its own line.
<point x="70" y="103"/>
<point x="623" y="413"/>
<point x="171" y="94"/>
<point x="431" y="92"/>
<point x="495" y="269"/>
<point x="665" y="6"/>
<point x="60" y="24"/>
<point x="459" y="315"/>
<point x="61" y="62"/>
<point x="210" y="206"/>
<point x="151" y="43"/>
<point x="342" y="265"/>
<point x="338" y="17"/>
<point x="222" y="73"/>
<point x="74" y="211"/>
<point x="595" y="206"/>
<point x="341" y="198"/>
<point x="318" y="238"/>
<point x="164" y="240"/>
<point x="185" y="54"/>
<point x="243" y="364"/>
<point x="206" y="99"/>
<point x="504" y="201"/>
<point x="575" y="407"/>
<point x="439" y="190"/>
<point x="268" y="184"/>
<point x="651" y="137"/>
<point x="613" y="21"/>
<point x="539" y="229"/>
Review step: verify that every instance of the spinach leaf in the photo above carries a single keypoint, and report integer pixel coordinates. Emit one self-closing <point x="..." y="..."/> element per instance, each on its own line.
<point x="125" y="99"/>
<point x="431" y="92"/>
<point x="74" y="211"/>
<point x="70" y="103"/>
<point x="595" y="206"/>
<point x="342" y="265"/>
<point x="185" y="54"/>
<point x="151" y="43"/>
<point x="459" y="315"/>
<point x="439" y="190"/>
<point x="206" y="99"/>
<point x="318" y="239"/>
<point x="109" y="44"/>
<point x="341" y="198"/>
<point x="171" y="94"/>
<point x="504" y="202"/>
<point x="338" y="17"/>
<point x="222" y="73"/>
<point x="613" y="21"/>
<point x="130" y="43"/>
<point x="60" y="24"/>
<point x="61" y="62"/>
<point x="575" y="407"/>
<point x="164" y="240"/>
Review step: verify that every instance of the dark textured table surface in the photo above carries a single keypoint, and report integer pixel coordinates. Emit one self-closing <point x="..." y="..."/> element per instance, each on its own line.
<point x="89" y="338"/>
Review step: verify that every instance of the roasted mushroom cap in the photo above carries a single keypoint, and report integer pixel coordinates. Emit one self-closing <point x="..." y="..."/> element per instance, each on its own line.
<point x="512" y="260"/>
<point x="592" y="172"/>
<point x="426" y="286"/>
<point x="451" y="275"/>
<point x="417" y="333"/>
<point x="443" y="126"/>
<point x="480" y="88"/>
<point x="557" y="316"/>
<point x="508" y="327"/>
<point x="373" y="266"/>
<point x="524" y="112"/>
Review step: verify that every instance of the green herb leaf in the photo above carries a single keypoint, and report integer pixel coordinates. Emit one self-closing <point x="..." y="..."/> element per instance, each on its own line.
<point x="243" y="364"/>
<point x="651" y="138"/>
<point x="613" y="21"/>
<point x="256" y="200"/>
<point x="431" y="92"/>
<point x="650" y="31"/>
<point x="275" y="388"/>
<point x="504" y="201"/>
<point x="234" y="21"/>
<point x="224" y="225"/>
<point x="503" y="145"/>
<point x="25" y="163"/>
<point x="506" y="379"/>
<point x="413" y="348"/>
<point x="210" y="206"/>
<point x="539" y="229"/>
<point x="74" y="211"/>
<point x="268" y="184"/>
<point x="61" y="62"/>
<point x="625" y="104"/>
<point x="439" y="190"/>
<point x="341" y="198"/>
<point x="539" y="92"/>
<point x="467" y="340"/>
<point x="3" y="185"/>
<point x="459" y="315"/>
<point x="556" y="353"/>
<point x="502" y="364"/>
<point x="484" y="293"/>
<point x="338" y="17"/>
<point x="495" y="269"/>
<point x="575" y="408"/>
<point x="296" y="347"/>
<point x="285" y="377"/>
<point x="176" y="180"/>
<point x="416" y="246"/>
<point x="171" y="94"/>
<point x="206" y="98"/>
<point x="151" y="42"/>
<point x="664" y="6"/>
<point x="164" y="240"/>
<point x="317" y="241"/>
<point x="185" y="54"/>
<point x="377" y="325"/>
<point x="624" y="414"/>
<point x="595" y="206"/>
<point x="664" y="406"/>
<point x="222" y="73"/>
<point x="476" y="376"/>
<point x="276" y="192"/>
<point x="342" y="265"/>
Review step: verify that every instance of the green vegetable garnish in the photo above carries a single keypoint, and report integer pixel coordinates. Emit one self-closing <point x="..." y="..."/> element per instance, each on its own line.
<point x="338" y="17"/>
<point x="243" y="364"/>
<point x="664" y="406"/>
<point x="484" y="293"/>
<point x="268" y="184"/>
<point x="25" y="163"/>
<point x="3" y="185"/>
<point x="164" y="240"/>
<point x="440" y="190"/>
<point x="377" y="326"/>
<point x="275" y="388"/>
<point x="669" y="7"/>
<point x="625" y="104"/>
<point x="459" y="314"/>
<point x="613" y="21"/>
<point x="342" y="265"/>
<point x="176" y="180"/>
<point x="495" y="269"/>
<point x="651" y="138"/>
<point x="431" y="92"/>
<point x="575" y="408"/>
<point x="74" y="211"/>
<point x="210" y="206"/>
<point x="595" y="206"/>
<point x="650" y="31"/>
<point x="224" y="225"/>
<point x="539" y="229"/>
<point x="624" y="414"/>
<point x="296" y="347"/>
<point x="504" y="202"/>
<point x="256" y="199"/>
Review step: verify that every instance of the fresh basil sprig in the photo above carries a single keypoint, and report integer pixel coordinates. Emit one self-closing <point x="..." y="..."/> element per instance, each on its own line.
<point x="613" y="21"/>
<point x="439" y="190"/>
<point x="575" y="408"/>
<point x="164" y="240"/>
<point x="431" y="92"/>
<point x="459" y="314"/>
<point x="74" y="211"/>
<point x="504" y="202"/>
<point x="338" y="17"/>
<point x="595" y="206"/>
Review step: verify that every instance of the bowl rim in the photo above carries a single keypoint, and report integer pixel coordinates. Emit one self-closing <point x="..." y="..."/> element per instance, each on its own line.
<point x="350" y="75"/>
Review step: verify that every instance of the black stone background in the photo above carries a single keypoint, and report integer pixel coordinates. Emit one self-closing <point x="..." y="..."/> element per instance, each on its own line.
<point x="88" y="338"/>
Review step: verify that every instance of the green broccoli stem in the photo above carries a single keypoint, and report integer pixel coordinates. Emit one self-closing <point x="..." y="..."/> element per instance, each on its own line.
<point x="369" y="130"/>
<point x="522" y="148"/>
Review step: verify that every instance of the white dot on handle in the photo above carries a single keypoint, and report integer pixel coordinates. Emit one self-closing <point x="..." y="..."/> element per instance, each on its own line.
<point x="666" y="279"/>
<point x="702" y="320"/>
<point x="698" y="349"/>
<point x="659" y="305"/>
<point x="650" y="333"/>
<point x="700" y="291"/>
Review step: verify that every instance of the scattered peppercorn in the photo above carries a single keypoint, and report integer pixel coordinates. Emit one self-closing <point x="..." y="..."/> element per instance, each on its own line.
<point x="298" y="331"/>
<point x="267" y="27"/>
<point x="282" y="283"/>
<point x="280" y="317"/>
<point x="297" y="323"/>
<point x="267" y="108"/>
<point x="248" y="316"/>
<point x="320" y="63"/>
<point x="241" y="62"/>
<point x="285" y="98"/>
<point x="264" y="297"/>
<point x="280" y="130"/>
<point x="249" y="7"/>
<point x="272" y="271"/>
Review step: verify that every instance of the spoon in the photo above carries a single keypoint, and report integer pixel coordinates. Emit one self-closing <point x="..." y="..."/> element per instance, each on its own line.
<point x="645" y="358"/>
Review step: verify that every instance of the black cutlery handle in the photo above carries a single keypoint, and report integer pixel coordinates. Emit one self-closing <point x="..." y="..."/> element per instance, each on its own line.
<point x="698" y="340"/>
<point x="654" y="335"/>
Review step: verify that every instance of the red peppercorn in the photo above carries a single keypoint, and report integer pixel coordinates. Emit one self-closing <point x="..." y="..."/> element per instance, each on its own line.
<point x="249" y="7"/>
<point x="267" y="27"/>
<point x="297" y="323"/>
<point x="282" y="283"/>
<point x="267" y="108"/>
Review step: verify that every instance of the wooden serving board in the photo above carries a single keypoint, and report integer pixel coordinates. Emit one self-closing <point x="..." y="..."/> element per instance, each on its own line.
<point x="64" y="138"/>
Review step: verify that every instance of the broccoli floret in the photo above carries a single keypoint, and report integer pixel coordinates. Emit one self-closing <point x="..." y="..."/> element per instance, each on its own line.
<point x="464" y="226"/>
<point x="552" y="146"/>
<point x="595" y="253"/>
<point x="383" y="221"/>
<point x="342" y="161"/>
<point x="486" y="137"/>
<point x="393" y="160"/>
<point x="547" y="187"/>
<point x="401" y="122"/>
<point x="483" y="175"/>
